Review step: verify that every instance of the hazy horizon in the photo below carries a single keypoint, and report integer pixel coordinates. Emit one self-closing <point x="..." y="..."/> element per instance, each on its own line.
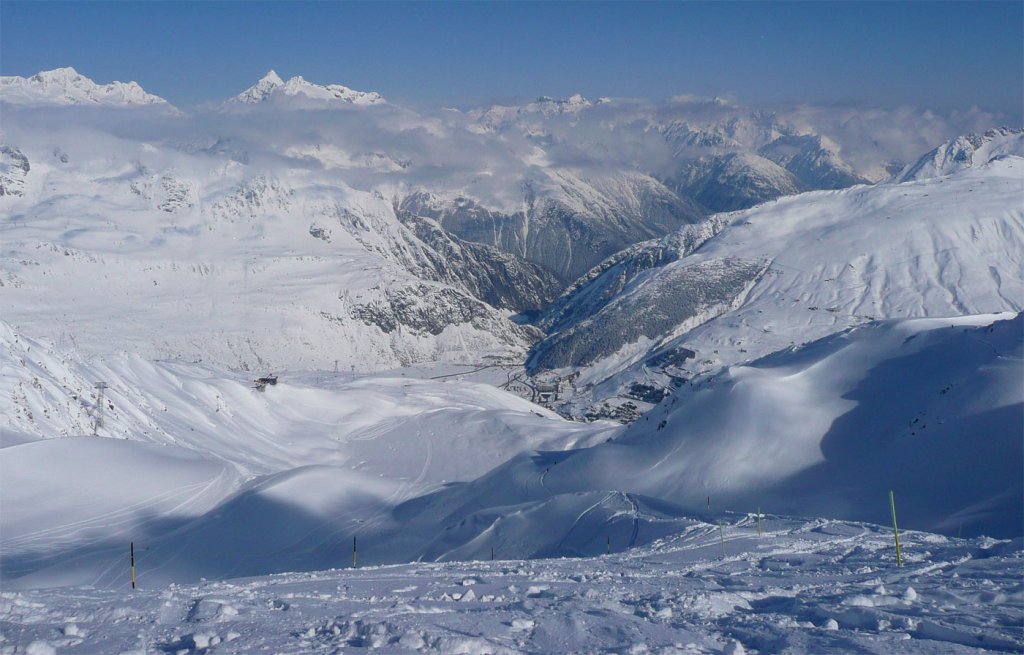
<point x="943" y="57"/>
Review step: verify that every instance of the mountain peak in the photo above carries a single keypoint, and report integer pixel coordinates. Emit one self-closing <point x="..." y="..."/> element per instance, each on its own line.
<point x="271" y="87"/>
<point x="271" y="78"/>
<point x="64" y="74"/>
<point x="262" y="90"/>
<point x="66" y="86"/>
<point x="966" y="151"/>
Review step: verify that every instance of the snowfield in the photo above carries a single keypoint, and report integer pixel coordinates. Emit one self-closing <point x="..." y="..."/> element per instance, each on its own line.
<point x="801" y="586"/>
<point x="219" y="480"/>
<point x="785" y="368"/>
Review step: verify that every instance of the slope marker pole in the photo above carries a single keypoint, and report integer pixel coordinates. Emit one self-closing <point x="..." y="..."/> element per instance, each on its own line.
<point x="758" y="521"/>
<point x="353" y="552"/>
<point x="100" y="401"/>
<point x="721" y="533"/>
<point x="895" y="529"/>
<point x="131" y="557"/>
<point x="608" y="550"/>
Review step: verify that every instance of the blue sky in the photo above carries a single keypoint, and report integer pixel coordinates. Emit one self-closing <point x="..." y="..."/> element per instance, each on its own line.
<point x="943" y="56"/>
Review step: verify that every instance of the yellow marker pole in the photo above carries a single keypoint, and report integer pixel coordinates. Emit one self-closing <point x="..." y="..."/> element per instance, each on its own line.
<point x="895" y="529"/>
<point x="132" y="559"/>
<point x="758" y="521"/>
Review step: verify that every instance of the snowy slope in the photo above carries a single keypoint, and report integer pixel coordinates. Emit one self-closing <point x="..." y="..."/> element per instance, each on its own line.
<point x="930" y="408"/>
<point x="800" y="587"/>
<point x="185" y="449"/>
<point x="937" y="247"/>
<point x="968" y="151"/>
<point x="140" y="246"/>
<point x="245" y="483"/>
<point x="66" y="86"/>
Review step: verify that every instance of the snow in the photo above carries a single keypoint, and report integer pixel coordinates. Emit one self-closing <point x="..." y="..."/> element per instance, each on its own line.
<point x="327" y="236"/>
<point x="937" y="247"/>
<point x="277" y="267"/>
<point x="968" y="151"/>
<point x="803" y="586"/>
<point x="449" y="470"/>
<point x="271" y="88"/>
<point x="182" y="447"/>
<point x="822" y="430"/>
<point x="66" y="86"/>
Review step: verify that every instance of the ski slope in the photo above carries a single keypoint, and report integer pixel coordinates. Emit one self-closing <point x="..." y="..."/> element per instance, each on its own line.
<point x="801" y="586"/>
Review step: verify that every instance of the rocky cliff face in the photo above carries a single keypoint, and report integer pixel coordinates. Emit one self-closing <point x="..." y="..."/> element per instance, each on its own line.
<point x="569" y="225"/>
<point x="497" y="277"/>
<point x="14" y="168"/>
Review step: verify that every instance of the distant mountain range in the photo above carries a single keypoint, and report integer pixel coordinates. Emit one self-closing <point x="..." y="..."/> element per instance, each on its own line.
<point x="793" y="312"/>
<point x="66" y="86"/>
<point x="299" y="224"/>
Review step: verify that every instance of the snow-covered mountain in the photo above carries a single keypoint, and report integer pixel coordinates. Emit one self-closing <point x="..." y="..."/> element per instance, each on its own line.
<point x="271" y="88"/>
<point x="66" y="86"/>
<point x="499" y="117"/>
<point x="280" y="270"/>
<point x="750" y="159"/>
<point x="282" y="480"/>
<point x="736" y="181"/>
<point x="805" y="355"/>
<point x="194" y="443"/>
<point x="749" y="283"/>
<point x="812" y="159"/>
<point x="966" y="151"/>
<point x="824" y="429"/>
<point x="569" y="221"/>
<point x="721" y="156"/>
<point x="14" y="168"/>
<point x="562" y="184"/>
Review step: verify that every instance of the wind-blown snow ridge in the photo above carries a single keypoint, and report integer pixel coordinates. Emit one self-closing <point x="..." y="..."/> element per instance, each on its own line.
<point x="66" y="86"/>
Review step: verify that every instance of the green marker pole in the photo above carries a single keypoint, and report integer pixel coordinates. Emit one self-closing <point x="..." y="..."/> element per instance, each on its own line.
<point x="895" y="529"/>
